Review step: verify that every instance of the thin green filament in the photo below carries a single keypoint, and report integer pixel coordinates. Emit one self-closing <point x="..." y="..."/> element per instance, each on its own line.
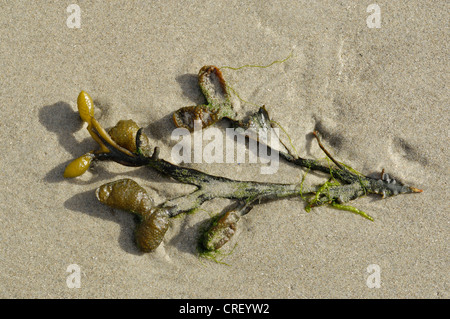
<point x="251" y="66"/>
<point x="301" y="185"/>
<point x="257" y="66"/>
<point x="238" y="96"/>
<point x="351" y="209"/>
<point x="289" y="138"/>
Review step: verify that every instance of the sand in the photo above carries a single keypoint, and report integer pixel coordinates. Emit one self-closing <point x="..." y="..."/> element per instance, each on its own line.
<point x="379" y="96"/>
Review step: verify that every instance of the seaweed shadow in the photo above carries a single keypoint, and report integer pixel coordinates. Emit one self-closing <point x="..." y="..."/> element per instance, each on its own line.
<point x="190" y="87"/>
<point x="61" y="119"/>
<point x="87" y="203"/>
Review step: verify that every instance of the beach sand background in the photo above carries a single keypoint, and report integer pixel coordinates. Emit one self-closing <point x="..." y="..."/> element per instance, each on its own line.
<point x="379" y="97"/>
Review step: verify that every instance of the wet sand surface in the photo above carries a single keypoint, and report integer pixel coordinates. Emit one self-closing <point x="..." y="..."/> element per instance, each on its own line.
<point x="378" y="96"/>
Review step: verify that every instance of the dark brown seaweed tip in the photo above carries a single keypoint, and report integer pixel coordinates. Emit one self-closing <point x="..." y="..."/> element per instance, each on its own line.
<point x="150" y="232"/>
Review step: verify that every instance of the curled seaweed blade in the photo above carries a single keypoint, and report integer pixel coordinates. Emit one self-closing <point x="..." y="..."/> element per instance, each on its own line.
<point x="218" y="105"/>
<point x="187" y="116"/>
<point x="258" y="127"/>
<point x="215" y="90"/>
<point x="259" y="120"/>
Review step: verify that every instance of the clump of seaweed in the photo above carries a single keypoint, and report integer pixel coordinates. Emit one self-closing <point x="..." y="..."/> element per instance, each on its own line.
<point x="126" y="144"/>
